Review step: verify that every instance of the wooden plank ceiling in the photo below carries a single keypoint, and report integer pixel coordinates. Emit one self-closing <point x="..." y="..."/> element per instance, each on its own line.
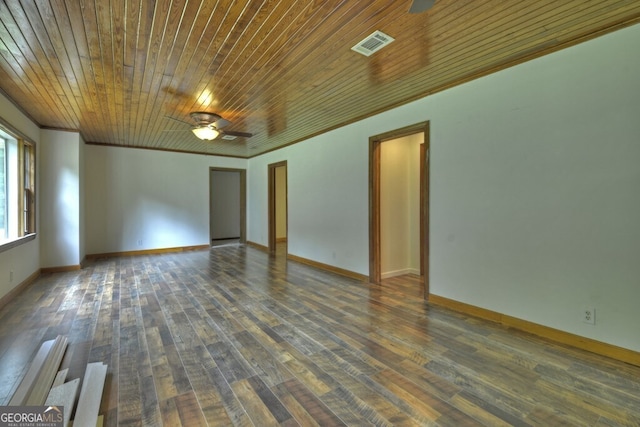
<point x="279" y="69"/>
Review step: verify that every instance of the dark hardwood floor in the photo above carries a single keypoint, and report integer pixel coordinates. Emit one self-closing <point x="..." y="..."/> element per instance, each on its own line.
<point x="232" y="336"/>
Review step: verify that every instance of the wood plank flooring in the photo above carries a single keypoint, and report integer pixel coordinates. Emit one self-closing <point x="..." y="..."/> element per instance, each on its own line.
<point x="233" y="336"/>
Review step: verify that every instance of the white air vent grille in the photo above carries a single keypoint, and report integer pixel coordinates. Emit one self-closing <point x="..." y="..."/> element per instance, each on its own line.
<point x="229" y="137"/>
<point x="373" y="43"/>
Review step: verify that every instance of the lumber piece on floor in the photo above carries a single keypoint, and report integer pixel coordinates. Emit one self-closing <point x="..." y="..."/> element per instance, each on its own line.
<point x="64" y="395"/>
<point x="41" y="388"/>
<point x="60" y="378"/>
<point x="91" y="394"/>
<point x="99" y="422"/>
<point x="28" y="381"/>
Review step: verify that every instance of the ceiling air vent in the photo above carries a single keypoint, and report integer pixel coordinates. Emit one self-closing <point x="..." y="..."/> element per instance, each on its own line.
<point x="229" y="137"/>
<point x="373" y="43"/>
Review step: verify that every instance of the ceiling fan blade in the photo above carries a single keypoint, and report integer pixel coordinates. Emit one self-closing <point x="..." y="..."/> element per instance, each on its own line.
<point x="178" y="120"/>
<point x="210" y="120"/>
<point x="242" y="134"/>
<point x="220" y="123"/>
<point x="419" y="6"/>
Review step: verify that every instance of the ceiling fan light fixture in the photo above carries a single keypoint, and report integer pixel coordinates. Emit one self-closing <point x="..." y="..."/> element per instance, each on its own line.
<point x="206" y="133"/>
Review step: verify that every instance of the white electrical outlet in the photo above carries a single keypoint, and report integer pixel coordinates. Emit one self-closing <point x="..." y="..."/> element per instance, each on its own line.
<point x="11" y="276"/>
<point x="589" y="315"/>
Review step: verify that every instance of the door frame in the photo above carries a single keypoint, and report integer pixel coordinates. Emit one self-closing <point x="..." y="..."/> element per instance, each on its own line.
<point x="243" y="200"/>
<point x="272" y="202"/>
<point x="375" y="258"/>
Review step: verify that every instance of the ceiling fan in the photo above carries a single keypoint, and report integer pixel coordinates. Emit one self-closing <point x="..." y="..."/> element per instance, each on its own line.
<point x="419" y="6"/>
<point x="208" y="126"/>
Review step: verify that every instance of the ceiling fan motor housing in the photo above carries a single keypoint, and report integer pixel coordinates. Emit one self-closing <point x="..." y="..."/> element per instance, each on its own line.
<point x="204" y="118"/>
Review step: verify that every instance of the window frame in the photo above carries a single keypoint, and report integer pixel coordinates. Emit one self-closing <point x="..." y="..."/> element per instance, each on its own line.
<point x="26" y="190"/>
<point x="4" y="223"/>
<point x="24" y="208"/>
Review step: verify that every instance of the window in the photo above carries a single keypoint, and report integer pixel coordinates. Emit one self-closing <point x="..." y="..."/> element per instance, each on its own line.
<point x="17" y="188"/>
<point x="28" y="224"/>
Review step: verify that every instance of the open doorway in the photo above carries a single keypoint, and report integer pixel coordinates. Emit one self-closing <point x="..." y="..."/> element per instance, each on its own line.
<point x="227" y="206"/>
<point x="277" y="206"/>
<point x="393" y="201"/>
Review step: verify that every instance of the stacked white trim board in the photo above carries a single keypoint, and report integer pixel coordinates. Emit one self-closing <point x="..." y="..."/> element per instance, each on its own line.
<point x="43" y="384"/>
<point x="35" y="385"/>
<point x="90" y="395"/>
<point x="64" y="395"/>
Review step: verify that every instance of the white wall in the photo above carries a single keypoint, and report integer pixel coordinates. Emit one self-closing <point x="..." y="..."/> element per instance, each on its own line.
<point x="534" y="208"/>
<point x="60" y="198"/>
<point x="400" y="206"/>
<point x="535" y="201"/>
<point x="413" y="219"/>
<point x="327" y="198"/>
<point x="257" y="196"/>
<point x="144" y="199"/>
<point x="23" y="260"/>
<point x="82" y="244"/>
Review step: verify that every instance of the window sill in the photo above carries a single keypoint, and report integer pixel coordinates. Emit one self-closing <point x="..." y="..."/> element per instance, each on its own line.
<point x="16" y="242"/>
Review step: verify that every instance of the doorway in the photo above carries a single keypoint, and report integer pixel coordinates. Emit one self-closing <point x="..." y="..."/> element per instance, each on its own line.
<point x="376" y="207"/>
<point x="278" y="228"/>
<point x="227" y="206"/>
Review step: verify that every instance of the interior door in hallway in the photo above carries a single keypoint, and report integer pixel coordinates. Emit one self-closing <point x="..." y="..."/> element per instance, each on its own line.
<point x="277" y="204"/>
<point x="399" y="204"/>
<point x="227" y="201"/>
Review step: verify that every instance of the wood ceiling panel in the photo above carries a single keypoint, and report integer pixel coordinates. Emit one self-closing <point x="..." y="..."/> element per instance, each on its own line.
<point x="466" y="62"/>
<point x="280" y="69"/>
<point x="31" y="74"/>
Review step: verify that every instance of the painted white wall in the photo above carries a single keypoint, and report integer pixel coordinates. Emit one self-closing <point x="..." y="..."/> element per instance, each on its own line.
<point x="413" y="220"/>
<point x="60" y="197"/>
<point x="145" y="199"/>
<point x="534" y="181"/>
<point x="82" y="244"/>
<point x="327" y="198"/>
<point x="23" y="260"/>
<point x="225" y="204"/>
<point x="257" y="196"/>
<point x="535" y="200"/>
<point x="400" y="206"/>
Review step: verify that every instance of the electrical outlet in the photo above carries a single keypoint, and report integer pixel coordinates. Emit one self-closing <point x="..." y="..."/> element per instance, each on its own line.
<point x="140" y="242"/>
<point x="11" y="276"/>
<point x="589" y="315"/>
